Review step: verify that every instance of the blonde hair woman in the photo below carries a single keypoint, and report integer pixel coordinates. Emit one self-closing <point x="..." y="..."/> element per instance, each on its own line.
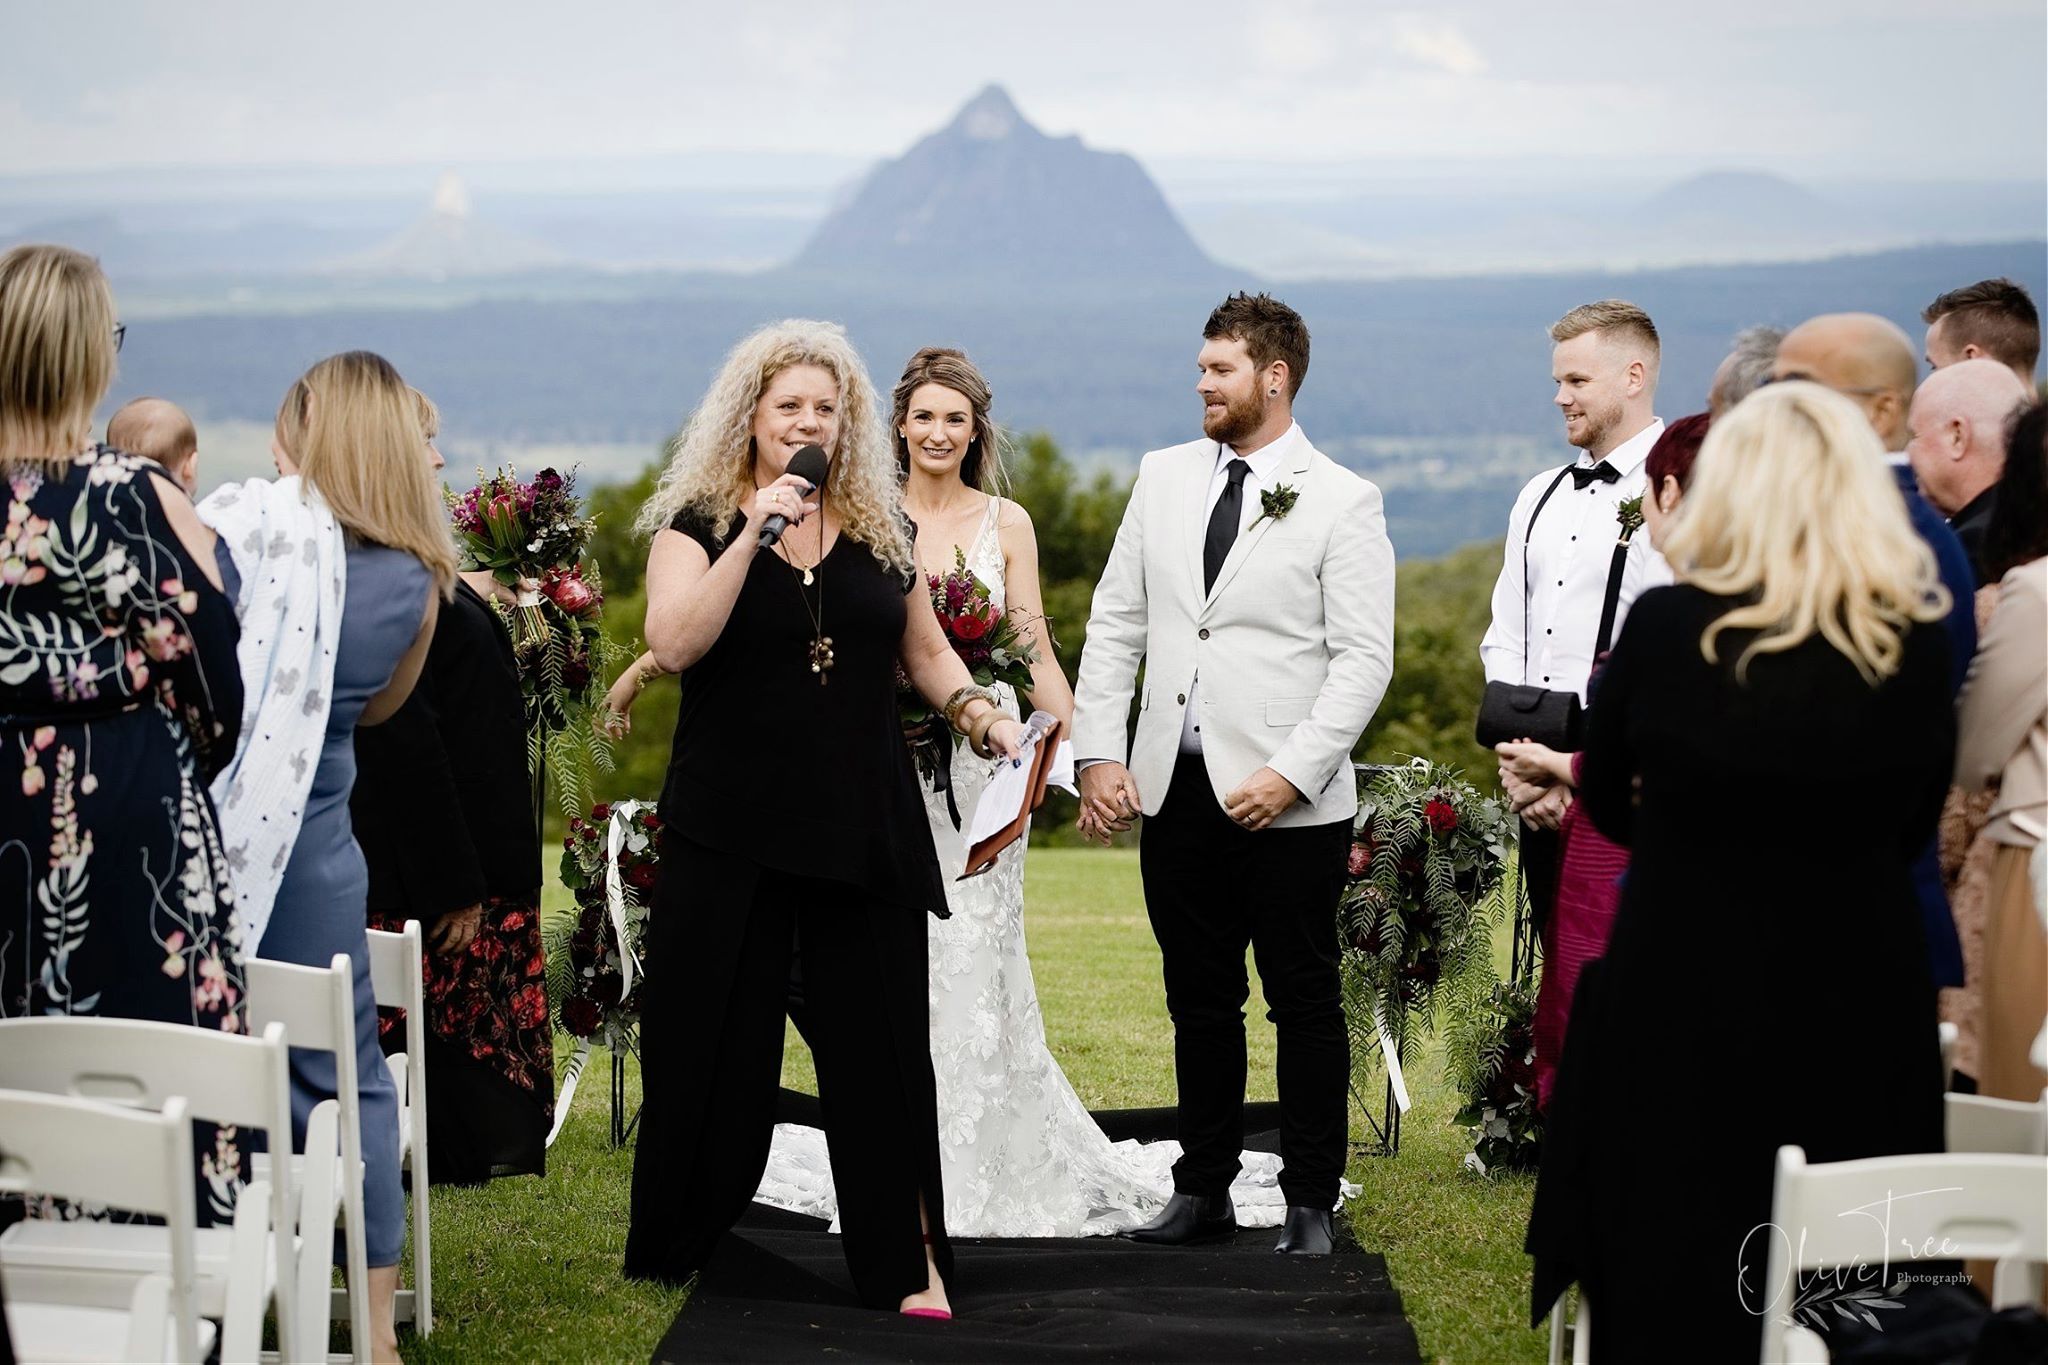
<point x="119" y="698"/>
<point x="791" y="819"/>
<point x="1773" y="739"/>
<point x="339" y="569"/>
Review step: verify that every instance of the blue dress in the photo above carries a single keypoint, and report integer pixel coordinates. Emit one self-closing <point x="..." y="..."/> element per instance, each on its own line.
<point x="323" y="900"/>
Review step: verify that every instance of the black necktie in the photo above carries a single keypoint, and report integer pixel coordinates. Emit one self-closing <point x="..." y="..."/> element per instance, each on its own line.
<point x="1583" y="474"/>
<point x="1223" y="522"/>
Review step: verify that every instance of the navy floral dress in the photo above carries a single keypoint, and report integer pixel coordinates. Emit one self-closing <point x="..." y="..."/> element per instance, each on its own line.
<point x="119" y="698"/>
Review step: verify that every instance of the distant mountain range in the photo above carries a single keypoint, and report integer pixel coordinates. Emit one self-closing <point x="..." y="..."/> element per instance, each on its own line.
<point x="990" y="192"/>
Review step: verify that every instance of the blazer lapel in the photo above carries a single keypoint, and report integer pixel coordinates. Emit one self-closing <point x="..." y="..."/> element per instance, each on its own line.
<point x="1195" y="518"/>
<point x="1289" y="472"/>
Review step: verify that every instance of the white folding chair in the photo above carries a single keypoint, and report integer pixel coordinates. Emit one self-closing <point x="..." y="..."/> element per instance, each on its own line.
<point x="398" y="976"/>
<point x="1978" y="1123"/>
<point x="317" y="1007"/>
<point x="132" y="1159"/>
<point x="1949" y="1034"/>
<point x="1957" y="1205"/>
<point x="1569" y="1316"/>
<point x="223" y="1078"/>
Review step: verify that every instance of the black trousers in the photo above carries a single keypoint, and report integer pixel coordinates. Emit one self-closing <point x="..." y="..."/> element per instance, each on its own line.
<point x="1212" y="888"/>
<point x="721" y="934"/>
<point x="1542" y="855"/>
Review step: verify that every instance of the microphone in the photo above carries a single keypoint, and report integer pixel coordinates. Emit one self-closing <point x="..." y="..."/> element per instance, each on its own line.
<point x="808" y="464"/>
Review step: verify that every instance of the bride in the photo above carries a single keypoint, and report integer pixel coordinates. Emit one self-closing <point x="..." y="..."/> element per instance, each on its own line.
<point x="1019" y="1153"/>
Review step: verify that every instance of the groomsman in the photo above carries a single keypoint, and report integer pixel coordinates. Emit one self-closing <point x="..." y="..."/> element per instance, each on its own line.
<point x="1253" y="580"/>
<point x="1555" y="577"/>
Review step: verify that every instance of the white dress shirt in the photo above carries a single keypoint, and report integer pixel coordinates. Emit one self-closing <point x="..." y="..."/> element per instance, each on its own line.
<point x="1264" y="462"/>
<point x="1570" y="549"/>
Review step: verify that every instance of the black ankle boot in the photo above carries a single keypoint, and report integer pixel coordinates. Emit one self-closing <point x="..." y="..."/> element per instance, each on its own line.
<point x="1188" y="1218"/>
<point x="1307" y="1232"/>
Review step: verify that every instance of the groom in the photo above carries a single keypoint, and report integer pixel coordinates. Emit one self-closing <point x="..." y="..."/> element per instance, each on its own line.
<point x="1253" y="579"/>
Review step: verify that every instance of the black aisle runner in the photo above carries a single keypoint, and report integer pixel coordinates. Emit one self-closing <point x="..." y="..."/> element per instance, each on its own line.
<point x="777" y="1289"/>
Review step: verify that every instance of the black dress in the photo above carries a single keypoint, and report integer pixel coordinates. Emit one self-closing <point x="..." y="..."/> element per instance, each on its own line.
<point x="792" y="821"/>
<point x="1767" y="979"/>
<point x="443" y="809"/>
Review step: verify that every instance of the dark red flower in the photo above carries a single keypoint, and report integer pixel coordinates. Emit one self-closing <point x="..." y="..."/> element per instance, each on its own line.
<point x="651" y="820"/>
<point x="569" y="592"/>
<point x="969" y="626"/>
<point x="575" y="673"/>
<point x="530" y="1006"/>
<point x="1442" y="816"/>
<point x="581" y="1017"/>
<point x="601" y="812"/>
<point x="640" y="875"/>
<point x="604" y="988"/>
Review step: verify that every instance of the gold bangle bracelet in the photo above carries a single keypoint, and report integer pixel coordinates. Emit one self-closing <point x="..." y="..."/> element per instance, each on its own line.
<point x="957" y="703"/>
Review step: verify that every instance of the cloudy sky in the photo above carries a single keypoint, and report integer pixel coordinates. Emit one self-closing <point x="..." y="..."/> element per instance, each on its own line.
<point x="1907" y="88"/>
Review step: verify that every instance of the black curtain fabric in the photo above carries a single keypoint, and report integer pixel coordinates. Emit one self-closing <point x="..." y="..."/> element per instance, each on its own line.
<point x="777" y="1289"/>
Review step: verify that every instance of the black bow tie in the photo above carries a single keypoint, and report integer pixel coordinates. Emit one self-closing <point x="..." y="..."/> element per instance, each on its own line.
<point x="1594" y="473"/>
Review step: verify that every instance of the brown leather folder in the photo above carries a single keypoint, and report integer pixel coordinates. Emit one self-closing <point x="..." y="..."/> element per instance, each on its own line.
<point x="982" y="856"/>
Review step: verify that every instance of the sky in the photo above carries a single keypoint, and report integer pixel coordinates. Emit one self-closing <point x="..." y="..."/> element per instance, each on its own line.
<point x="1818" y="88"/>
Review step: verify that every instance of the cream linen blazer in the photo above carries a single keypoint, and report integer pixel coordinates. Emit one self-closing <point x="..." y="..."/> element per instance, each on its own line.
<point x="1295" y="645"/>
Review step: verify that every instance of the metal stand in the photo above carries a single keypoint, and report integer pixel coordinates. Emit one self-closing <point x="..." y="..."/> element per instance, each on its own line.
<point x="622" y="1127"/>
<point x="1526" y="949"/>
<point x="1386" y="1129"/>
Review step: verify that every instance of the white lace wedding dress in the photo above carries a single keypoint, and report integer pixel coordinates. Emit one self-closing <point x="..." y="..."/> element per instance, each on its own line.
<point x="1020" y="1156"/>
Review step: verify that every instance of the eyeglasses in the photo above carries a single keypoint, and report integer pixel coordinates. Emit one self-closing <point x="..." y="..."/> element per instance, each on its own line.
<point x="1843" y="389"/>
<point x="120" y="333"/>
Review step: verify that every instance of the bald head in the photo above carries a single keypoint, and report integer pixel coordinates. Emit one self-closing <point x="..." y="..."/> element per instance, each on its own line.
<point x="1959" y="419"/>
<point x="1861" y="356"/>
<point x="159" y="430"/>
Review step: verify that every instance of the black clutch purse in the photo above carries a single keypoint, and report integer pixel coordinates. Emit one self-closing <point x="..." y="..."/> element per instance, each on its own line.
<point x="1509" y="712"/>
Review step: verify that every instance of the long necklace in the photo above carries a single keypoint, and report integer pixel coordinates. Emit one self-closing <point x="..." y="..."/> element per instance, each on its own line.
<point x="821" y="643"/>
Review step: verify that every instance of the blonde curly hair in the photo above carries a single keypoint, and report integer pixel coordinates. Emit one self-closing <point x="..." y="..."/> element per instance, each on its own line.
<point x="711" y="462"/>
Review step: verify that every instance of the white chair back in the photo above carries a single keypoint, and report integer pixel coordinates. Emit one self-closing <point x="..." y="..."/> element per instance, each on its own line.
<point x="1948" y="1033"/>
<point x="223" y="1078"/>
<point x="1978" y="1123"/>
<point x="1943" y="1205"/>
<point x="317" y="1006"/>
<point x="398" y="975"/>
<point x="125" y="1158"/>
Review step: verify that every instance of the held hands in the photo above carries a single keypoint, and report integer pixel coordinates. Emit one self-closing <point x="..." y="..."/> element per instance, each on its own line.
<point x="1109" y="801"/>
<point x="454" y="931"/>
<point x="1260" y="799"/>
<point x="783" y="498"/>
<point x="1531" y="762"/>
<point x="1547" y="810"/>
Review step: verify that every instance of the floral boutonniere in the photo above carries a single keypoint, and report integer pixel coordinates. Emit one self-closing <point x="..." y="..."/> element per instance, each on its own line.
<point x="1629" y="512"/>
<point x="1276" y="503"/>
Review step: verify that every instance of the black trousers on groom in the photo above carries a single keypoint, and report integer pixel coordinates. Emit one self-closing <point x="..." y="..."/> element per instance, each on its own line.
<point x="1212" y="888"/>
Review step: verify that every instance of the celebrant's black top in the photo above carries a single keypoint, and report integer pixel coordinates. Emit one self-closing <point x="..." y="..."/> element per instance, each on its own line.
<point x="804" y="778"/>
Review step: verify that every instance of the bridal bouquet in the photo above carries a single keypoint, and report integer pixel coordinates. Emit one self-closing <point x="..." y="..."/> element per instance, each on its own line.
<point x="533" y="538"/>
<point x="994" y="645"/>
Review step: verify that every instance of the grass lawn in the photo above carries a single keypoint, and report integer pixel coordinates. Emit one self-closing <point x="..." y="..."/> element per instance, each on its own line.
<point x="529" y="1269"/>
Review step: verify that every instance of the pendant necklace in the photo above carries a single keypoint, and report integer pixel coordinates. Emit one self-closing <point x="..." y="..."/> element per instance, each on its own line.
<point x="821" y="644"/>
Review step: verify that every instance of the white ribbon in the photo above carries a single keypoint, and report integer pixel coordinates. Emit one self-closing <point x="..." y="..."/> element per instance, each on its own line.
<point x="1393" y="1056"/>
<point x="615" y="837"/>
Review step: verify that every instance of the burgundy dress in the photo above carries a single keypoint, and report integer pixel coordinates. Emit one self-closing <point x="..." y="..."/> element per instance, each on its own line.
<point x="1588" y="891"/>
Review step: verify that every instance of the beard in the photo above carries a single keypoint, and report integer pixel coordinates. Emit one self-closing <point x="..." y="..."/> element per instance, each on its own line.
<point x="1238" y="419"/>
<point x="1599" y="424"/>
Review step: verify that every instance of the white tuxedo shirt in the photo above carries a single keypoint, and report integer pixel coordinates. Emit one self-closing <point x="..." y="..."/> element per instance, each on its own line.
<point x="1570" y="550"/>
<point x="1294" y="645"/>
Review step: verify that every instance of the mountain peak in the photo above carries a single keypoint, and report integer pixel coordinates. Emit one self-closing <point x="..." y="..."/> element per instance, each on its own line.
<point x="990" y="116"/>
<point x="991" y="193"/>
